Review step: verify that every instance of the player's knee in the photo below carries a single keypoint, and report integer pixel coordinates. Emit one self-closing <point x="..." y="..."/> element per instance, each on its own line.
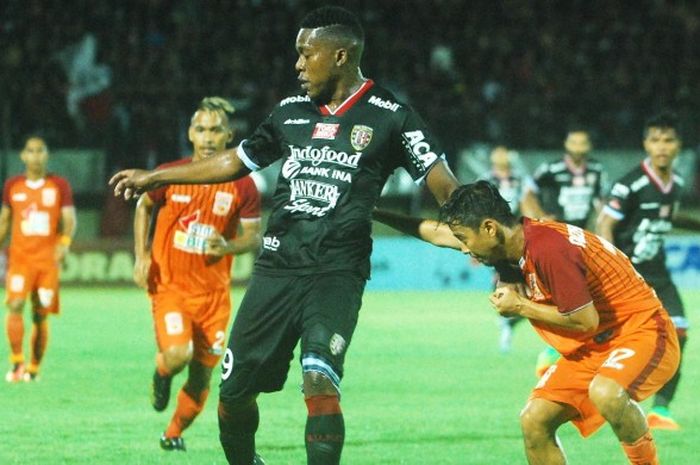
<point x="318" y="384"/>
<point x="536" y="424"/>
<point x="38" y="316"/>
<point x="607" y="395"/>
<point x="176" y="358"/>
<point x="15" y="306"/>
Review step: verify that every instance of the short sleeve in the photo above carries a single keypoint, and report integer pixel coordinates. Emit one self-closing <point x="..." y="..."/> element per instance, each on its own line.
<point x="561" y="268"/>
<point x="421" y="150"/>
<point x="158" y="195"/>
<point x="262" y="147"/>
<point x="65" y="192"/>
<point x="249" y="199"/>
<point x="620" y="201"/>
<point x="6" y="193"/>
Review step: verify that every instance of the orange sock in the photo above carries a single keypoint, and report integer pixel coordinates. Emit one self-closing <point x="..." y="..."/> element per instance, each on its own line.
<point x="15" y="333"/>
<point x="642" y="451"/>
<point x="186" y="411"/>
<point x="40" y="337"/>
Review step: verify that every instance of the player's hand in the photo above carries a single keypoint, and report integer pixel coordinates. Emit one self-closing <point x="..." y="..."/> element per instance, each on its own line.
<point x="507" y="300"/>
<point x="131" y="183"/>
<point x="141" y="267"/>
<point x="60" y="253"/>
<point x="217" y="246"/>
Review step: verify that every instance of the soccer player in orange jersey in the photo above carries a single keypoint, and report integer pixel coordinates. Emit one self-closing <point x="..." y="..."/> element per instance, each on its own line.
<point x="618" y="345"/>
<point x="187" y="268"/>
<point x="38" y="206"/>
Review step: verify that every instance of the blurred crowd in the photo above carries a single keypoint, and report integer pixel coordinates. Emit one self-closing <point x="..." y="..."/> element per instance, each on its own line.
<point x="125" y="75"/>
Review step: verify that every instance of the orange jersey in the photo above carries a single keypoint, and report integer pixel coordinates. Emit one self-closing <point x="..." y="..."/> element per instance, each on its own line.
<point x="189" y="214"/>
<point x="36" y="214"/>
<point x="568" y="267"/>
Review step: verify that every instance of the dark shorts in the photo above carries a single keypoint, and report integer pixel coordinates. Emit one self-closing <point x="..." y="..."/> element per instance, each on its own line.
<point x="668" y="294"/>
<point x="278" y="311"/>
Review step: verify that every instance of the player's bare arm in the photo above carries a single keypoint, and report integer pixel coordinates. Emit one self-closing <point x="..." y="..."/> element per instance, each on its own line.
<point x="67" y="227"/>
<point x="249" y="239"/>
<point x="441" y="181"/>
<point x="142" y="253"/>
<point x="530" y="206"/>
<point x="605" y="225"/>
<point x="509" y="302"/>
<point x="431" y="231"/>
<point x="5" y="215"/>
<point x="225" y="166"/>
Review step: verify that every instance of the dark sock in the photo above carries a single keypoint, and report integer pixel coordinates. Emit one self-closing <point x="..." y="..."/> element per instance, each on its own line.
<point x="325" y="430"/>
<point x="665" y="395"/>
<point x="237" y="427"/>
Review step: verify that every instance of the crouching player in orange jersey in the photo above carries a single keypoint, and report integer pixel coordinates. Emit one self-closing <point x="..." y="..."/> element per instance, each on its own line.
<point x="187" y="269"/>
<point x="39" y="207"/>
<point x="618" y="345"/>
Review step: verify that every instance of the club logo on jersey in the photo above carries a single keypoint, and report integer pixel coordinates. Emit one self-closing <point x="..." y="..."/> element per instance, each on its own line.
<point x="421" y="150"/>
<point x="360" y="136"/>
<point x="48" y="197"/>
<point x="386" y="104"/>
<point x="222" y="203"/>
<point x="326" y="131"/>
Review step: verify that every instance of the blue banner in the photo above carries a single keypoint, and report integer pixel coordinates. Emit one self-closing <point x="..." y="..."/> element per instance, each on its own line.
<point x="410" y="264"/>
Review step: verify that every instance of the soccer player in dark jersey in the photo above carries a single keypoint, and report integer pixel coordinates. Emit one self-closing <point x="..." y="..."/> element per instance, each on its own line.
<point x="340" y="140"/>
<point x="583" y="297"/>
<point x="641" y="209"/>
<point x="569" y="189"/>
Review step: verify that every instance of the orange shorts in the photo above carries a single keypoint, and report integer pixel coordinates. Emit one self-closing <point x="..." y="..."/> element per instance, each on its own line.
<point x="640" y="359"/>
<point x="38" y="280"/>
<point x="198" y="320"/>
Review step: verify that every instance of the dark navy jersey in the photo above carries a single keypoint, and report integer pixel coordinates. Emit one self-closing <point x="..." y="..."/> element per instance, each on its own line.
<point x="644" y="207"/>
<point x="567" y="191"/>
<point x="512" y="188"/>
<point x="335" y="166"/>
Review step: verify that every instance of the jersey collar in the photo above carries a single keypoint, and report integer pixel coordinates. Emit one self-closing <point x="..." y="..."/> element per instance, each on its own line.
<point x="35" y="184"/>
<point x="655" y="178"/>
<point x="349" y="102"/>
<point x="571" y="166"/>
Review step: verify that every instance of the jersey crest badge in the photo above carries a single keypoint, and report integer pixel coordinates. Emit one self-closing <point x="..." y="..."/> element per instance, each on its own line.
<point x="222" y="203"/>
<point x="325" y="131"/>
<point x="48" y="197"/>
<point x="360" y="136"/>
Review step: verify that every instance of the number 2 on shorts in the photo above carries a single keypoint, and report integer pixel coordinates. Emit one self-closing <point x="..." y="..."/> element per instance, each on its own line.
<point x="616" y="356"/>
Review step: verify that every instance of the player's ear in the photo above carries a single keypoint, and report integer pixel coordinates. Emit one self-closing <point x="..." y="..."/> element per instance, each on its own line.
<point x="190" y="134"/>
<point x="341" y="56"/>
<point x="489" y="226"/>
<point x="231" y="134"/>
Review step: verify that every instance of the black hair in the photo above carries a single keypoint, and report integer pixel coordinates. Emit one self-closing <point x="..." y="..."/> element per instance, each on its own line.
<point x="576" y="127"/>
<point x="34" y="135"/>
<point x="470" y="204"/>
<point x="663" y="120"/>
<point x="343" y="21"/>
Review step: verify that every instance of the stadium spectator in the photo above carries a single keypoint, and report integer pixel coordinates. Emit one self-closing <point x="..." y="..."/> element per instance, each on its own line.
<point x="38" y="207"/>
<point x="187" y="269"/>
<point x="583" y="297"/>
<point x="340" y="140"/>
<point x="641" y="210"/>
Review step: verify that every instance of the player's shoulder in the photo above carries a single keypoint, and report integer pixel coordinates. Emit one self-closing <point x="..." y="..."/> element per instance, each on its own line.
<point x="57" y="179"/>
<point x="632" y="181"/>
<point x="246" y="184"/>
<point x="12" y="180"/>
<point x="385" y="100"/>
<point x="544" y="238"/>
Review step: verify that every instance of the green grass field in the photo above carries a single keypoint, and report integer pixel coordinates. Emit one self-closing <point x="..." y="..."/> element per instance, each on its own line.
<point x="425" y="384"/>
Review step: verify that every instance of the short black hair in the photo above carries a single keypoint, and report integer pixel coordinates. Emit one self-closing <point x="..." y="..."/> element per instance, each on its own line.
<point x="34" y="135"/>
<point x="334" y="16"/>
<point x="664" y="120"/>
<point x="470" y="204"/>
